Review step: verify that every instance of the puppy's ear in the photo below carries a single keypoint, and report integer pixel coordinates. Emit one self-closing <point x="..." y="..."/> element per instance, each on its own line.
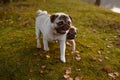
<point x="70" y="18"/>
<point x="53" y="17"/>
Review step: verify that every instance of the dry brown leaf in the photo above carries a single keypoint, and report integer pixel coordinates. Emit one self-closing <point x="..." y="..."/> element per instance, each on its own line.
<point x="107" y="58"/>
<point x="99" y="52"/>
<point x="68" y="71"/>
<point x="108" y="52"/>
<point x="77" y="57"/>
<point x="114" y="75"/>
<point x="35" y="54"/>
<point x="106" y="69"/>
<point x="100" y="60"/>
<point x="47" y="56"/>
<point x="77" y="52"/>
<point x="29" y="79"/>
<point x="108" y="46"/>
<point x="41" y="71"/>
<point x="66" y="76"/>
<point x="94" y="59"/>
<point x="43" y="66"/>
<point x="78" y="69"/>
<point x="78" y="78"/>
<point x="94" y="30"/>
<point x="31" y="71"/>
<point x="70" y="78"/>
<point x="111" y="75"/>
<point x="117" y="74"/>
<point x="117" y="43"/>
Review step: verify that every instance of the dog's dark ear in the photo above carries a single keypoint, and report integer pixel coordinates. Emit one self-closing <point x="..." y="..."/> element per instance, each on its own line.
<point x="53" y="17"/>
<point x="70" y="18"/>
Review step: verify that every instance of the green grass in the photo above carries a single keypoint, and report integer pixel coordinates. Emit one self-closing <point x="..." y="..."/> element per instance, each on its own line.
<point x="97" y="29"/>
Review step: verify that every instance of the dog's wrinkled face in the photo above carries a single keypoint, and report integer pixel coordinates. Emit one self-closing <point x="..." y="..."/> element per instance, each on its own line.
<point x="72" y="33"/>
<point x="62" y="22"/>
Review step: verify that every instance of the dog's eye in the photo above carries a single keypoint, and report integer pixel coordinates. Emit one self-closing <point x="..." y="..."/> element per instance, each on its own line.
<point x="60" y="23"/>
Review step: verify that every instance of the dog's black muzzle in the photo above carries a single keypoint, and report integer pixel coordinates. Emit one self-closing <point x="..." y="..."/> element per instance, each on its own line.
<point x="62" y="29"/>
<point x="71" y="36"/>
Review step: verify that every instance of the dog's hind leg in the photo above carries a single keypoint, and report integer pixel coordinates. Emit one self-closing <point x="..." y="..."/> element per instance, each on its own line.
<point x="45" y="42"/>
<point x="38" y="38"/>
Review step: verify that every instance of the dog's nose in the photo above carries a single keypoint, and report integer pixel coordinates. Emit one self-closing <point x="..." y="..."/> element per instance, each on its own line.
<point x="65" y="27"/>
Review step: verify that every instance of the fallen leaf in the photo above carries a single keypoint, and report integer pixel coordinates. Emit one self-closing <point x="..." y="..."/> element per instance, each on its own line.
<point x="35" y="54"/>
<point x="41" y="71"/>
<point x="108" y="46"/>
<point x="68" y="71"/>
<point x="66" y="76"/>
<point x="78" y="69"/>
<point x="106" y="69"/>
<point x="108" y="51"/>
<point x="31" y="71"/>
<point x="78" y="78"/>
<point x="47" y="56"/>
<point x="43" y="66"/>
<point x="117" y="43"/>
<point x="38" y="64"/>
<point x="107" y="58"/>
<point x="94" y="30"/>
<point x="69" y="78"/>
<point x="29" y="79"/>
<point x="77" y="52"/>
<point x="77" y="57"/>
<point x="94" y="59"/>
<point x="100" y="60"/>
<point x="99" y="52"/>
<point x="117" y="74"/>
<point x="114" y="75"/>
<point x="111" y="75"/>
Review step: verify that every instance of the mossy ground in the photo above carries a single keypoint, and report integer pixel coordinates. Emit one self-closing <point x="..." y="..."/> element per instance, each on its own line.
<point x="98" y="37"/>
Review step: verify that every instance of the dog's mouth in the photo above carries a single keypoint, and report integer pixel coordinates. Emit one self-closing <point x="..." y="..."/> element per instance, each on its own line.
<point x="62" y="30"/>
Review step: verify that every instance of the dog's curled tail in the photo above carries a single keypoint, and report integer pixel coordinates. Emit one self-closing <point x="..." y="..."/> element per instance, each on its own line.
<point x="40" y="12"/>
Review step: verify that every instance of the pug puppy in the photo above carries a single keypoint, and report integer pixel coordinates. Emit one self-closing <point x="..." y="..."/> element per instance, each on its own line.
<point x="71" y="38"/>
<point x="53" y="27"/>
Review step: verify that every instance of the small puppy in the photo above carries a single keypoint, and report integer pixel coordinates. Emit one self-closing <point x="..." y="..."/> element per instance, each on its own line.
<point x="53" y="27"/>
<point x="71" y="37"/>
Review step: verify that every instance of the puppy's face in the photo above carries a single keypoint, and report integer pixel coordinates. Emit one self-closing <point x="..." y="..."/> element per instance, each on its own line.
<point x="72" y="33"/>
<point x="62" y="22"/>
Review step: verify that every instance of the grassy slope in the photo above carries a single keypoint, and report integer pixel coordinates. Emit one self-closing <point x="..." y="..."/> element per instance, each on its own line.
<point x="20" y="60"/>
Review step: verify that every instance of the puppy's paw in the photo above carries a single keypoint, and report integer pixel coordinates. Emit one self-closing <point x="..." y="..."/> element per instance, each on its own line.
<point x="63" y="59"/>
<point x="38" y="46"/>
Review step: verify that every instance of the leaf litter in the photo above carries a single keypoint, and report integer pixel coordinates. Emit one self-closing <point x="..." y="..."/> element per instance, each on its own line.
<point x="114" y="75"/>
<point x="68" y="72"/>
<point x="77" y="57"/>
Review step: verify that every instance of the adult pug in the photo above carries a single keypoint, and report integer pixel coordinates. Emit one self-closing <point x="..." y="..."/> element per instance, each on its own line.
<point x="53" y="27"/>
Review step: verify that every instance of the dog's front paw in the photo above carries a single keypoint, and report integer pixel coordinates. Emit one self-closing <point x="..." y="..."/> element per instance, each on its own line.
<point x="46" y="49"/>
<point x="63" y="59"/>
<point x="38" y="46"/>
